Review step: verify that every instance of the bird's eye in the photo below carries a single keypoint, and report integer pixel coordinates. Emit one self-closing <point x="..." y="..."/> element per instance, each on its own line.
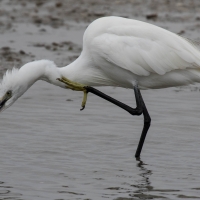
<point x="9" y="93"/>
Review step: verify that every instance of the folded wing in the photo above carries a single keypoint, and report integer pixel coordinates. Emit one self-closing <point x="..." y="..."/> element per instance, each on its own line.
<point x="143" y="49"/>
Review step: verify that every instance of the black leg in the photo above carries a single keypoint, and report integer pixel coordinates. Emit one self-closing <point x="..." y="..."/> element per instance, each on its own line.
<point x="140" y="108"/>
<point x="147" y="123"/>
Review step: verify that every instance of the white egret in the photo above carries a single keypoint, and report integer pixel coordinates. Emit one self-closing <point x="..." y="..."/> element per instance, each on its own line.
<point x="116" y="52"/>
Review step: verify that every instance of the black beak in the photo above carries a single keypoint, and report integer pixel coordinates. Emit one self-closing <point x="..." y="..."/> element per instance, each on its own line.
<point x="2" y="103"/>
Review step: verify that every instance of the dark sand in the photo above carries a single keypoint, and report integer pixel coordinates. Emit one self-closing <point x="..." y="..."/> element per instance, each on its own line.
<point x="24" y="25"/>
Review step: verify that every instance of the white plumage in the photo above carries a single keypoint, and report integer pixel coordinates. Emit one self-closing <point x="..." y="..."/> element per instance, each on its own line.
<point x="117" y="52"/>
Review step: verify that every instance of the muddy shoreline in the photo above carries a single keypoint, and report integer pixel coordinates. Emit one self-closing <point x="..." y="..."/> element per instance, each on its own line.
<point x="23" y="25"/>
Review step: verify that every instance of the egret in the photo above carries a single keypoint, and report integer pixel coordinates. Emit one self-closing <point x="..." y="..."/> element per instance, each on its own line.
<point x="116" y="52"/>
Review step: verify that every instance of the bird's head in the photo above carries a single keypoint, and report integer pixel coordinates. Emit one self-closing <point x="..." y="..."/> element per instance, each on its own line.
<point x="11" y="88"/>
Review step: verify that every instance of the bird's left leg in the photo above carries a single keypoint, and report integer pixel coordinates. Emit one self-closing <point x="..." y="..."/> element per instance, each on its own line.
<point x="140" y="105"/>
<point x="77" y="87"/>
<point x="140" y="109"/>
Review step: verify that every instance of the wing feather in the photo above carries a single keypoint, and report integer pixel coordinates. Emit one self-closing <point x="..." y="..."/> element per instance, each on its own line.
<point x="144" y="49"/>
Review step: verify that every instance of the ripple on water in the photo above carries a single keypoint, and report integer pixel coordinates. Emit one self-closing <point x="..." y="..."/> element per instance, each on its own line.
<point x="53" y="151"/>
<point x="7" y="192"/>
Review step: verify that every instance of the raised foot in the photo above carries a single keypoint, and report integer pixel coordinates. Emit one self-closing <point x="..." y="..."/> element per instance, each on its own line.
<point x="77" y="87"/>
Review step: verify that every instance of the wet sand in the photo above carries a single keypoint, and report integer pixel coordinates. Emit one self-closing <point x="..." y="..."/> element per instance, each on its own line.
<point x="51" y="150"/>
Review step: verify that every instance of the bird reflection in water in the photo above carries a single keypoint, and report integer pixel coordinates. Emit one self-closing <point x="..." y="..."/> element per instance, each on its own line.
<point x="144" y="184"/>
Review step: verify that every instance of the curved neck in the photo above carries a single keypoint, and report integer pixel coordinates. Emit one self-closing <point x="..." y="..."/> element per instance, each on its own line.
<point x="39" y="70"/>
<point x="84" y="71"/>
<point x="78" y="70"/>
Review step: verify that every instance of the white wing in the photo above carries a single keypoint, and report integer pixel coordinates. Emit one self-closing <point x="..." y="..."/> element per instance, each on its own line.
<point x="143" y="48"/>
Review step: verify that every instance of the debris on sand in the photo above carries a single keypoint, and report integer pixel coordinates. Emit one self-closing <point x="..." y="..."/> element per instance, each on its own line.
<point x="10" y="58"/>
<point x="152" y="16"/>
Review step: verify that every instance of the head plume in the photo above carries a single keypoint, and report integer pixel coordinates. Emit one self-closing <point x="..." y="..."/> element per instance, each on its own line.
<point x="9" y="80"/>
<point x="15" y="82"/>
<point x="8" y="88"/>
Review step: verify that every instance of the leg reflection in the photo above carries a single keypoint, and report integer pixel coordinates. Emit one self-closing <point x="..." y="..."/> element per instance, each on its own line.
<point x="144" y="184"/>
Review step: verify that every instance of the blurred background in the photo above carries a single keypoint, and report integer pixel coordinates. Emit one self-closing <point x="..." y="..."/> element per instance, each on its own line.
<point x="51" y="150"/>
<point x="53" y="29"/>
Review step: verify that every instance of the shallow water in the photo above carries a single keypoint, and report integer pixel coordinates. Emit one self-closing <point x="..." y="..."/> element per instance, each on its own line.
<point x="51" y="150"/>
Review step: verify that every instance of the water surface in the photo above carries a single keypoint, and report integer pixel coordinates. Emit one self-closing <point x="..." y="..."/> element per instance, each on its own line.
<point x="51" y="150"/>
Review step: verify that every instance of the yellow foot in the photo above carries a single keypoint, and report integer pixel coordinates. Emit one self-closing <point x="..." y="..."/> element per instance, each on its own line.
<point x="77" y="87"/>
